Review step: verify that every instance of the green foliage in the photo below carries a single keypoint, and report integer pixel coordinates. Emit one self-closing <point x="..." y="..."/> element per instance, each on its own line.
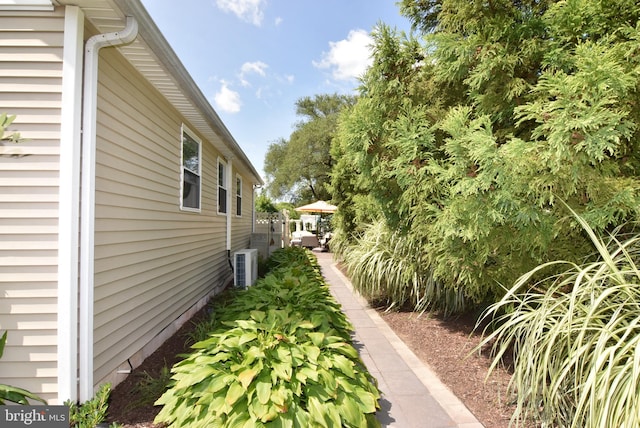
<point x="279" y="355"/>
<point x="264" y="204"/>
<point x="299" y="168"/>
<point x="11" y="393"/>
<point x="91" y="413"/>
<point x="464" y="143"/>
<point x="575" y="338"/>
<point x="203" y="327"/>
<point x="390" y="268"/>
<point x="423" y="14"/>
<point x="200" y="330"/>
<point x="293" y="214"/>
<point x="5" y="122"/>
<point x="150" y="387"/>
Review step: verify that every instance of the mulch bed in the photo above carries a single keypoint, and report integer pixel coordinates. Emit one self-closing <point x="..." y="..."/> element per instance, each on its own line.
<point x="447" y="346"/>
<point x="124" y="394"/>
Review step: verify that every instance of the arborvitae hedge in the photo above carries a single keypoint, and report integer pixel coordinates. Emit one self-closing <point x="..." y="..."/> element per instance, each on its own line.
<point x="465" y="141"/>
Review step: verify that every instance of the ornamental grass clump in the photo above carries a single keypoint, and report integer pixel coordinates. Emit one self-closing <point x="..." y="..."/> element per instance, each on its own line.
<point x="390" y="267"/>
<point x="575" y="337"/>
<point x="279" y="355"/>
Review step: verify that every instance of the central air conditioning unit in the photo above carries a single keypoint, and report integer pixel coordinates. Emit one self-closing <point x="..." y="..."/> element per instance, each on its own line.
<point x="245" y="267"/>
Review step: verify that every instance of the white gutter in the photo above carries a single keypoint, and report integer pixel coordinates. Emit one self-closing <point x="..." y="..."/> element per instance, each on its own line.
<point x="92" y="51"/>
<point x="69" y="202"/>
<point x="170" y="62"/>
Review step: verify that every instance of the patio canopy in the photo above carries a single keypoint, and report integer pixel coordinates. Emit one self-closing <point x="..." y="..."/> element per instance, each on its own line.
<point x="317" y="207"/>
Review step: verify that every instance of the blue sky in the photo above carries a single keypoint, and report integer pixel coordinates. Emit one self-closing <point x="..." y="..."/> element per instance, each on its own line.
<point x="253" y="59"/>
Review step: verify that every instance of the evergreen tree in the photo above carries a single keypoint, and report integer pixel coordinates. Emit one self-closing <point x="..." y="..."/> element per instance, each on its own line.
<point x="467" y="141"/>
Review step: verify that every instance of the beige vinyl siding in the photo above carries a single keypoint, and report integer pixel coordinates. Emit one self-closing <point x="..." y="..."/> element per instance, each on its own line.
<point x="242" y="226"/>
<point x="30" y="87"/>
<point x="152" y="260"/>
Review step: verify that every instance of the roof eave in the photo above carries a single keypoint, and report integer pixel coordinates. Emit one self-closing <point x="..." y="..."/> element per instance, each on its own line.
<point x="156" y="60"/>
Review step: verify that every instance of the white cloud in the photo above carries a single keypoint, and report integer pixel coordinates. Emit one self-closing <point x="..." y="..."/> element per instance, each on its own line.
<point x="247" y="10"/>
<point x="247" y="68"/>
<point x="348" y="58"/>
<point x="227" y="100"/>
<point x="278" y="21"/>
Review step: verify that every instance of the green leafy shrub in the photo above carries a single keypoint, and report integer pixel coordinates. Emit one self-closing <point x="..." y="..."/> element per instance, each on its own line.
<point x="280" y="355"/>
<point x="290" y="256"/>
<point x="575" y="339"/>
<point x="91" y="413"/>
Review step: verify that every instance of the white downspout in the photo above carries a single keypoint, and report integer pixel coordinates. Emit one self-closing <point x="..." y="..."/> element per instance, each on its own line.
<point x="89" y="117"/>
<point x="230" y="196"/>
<point x="69" y="224"/>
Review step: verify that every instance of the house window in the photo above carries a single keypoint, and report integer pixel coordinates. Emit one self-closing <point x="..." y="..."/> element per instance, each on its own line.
<point x="238" y="196"/>
<point x="222" y="187"/>
<point x="191" y="170"/>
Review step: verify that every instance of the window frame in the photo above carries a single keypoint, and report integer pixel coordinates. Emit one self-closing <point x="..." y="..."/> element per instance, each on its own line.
<point x="238" y="203"/>
<point x="222" y="177"/>
<point x="185" y="131"/>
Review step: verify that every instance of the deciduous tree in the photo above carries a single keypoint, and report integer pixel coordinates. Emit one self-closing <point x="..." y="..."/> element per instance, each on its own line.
<point x="298" y="169"/>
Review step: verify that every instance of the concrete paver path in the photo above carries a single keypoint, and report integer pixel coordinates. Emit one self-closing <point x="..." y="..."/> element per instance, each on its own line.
<point x="412" y="395"/>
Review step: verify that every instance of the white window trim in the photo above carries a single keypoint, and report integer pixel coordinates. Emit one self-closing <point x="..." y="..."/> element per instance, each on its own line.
<point x="190" y="133"/>
<point x="225" y="175"/>
<point x="235" y="197"/>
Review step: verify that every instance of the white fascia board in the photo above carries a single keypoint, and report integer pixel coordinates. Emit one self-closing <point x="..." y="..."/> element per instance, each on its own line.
<point x="26" y="5"/>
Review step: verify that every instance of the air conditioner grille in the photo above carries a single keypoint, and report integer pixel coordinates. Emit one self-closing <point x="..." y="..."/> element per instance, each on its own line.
<point x="241" y="269"/>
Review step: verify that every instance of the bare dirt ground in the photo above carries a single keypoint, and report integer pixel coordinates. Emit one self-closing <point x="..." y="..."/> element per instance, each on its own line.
<point x="445" y="344"/>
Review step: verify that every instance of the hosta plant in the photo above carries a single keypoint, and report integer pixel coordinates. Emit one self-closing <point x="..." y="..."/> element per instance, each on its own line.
<point x="575" y="338"/>
<point x="280" y="355"/>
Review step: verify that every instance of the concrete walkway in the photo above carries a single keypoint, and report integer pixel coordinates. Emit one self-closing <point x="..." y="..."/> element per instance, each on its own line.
<point x="412" y="395"/>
